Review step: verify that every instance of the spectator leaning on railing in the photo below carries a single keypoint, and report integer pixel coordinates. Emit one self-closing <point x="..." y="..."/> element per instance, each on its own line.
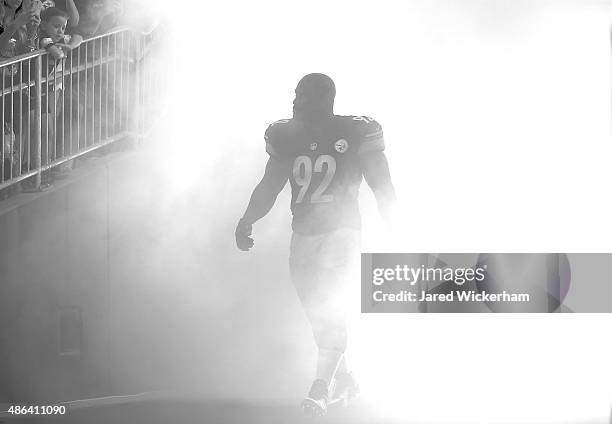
<point x="18" y="31"/>
<point x="57" y="43"/>
<point x="20" y="19"/>
<point x="19" y="34"/>
<point x="53" y="35"/>
<point x="29" y="32"/>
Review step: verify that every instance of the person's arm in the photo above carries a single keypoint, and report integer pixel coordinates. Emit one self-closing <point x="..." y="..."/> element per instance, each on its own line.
<point x="376" y="173"/>
<point x="5" y="38"/>
<point x="73" y="13"/>
<point x="263" y="198"/>
<point x="74" y="42"/>
<point x="22" y="19"/>
<point x="265" y="193"/>
<point x="58" y="50"/>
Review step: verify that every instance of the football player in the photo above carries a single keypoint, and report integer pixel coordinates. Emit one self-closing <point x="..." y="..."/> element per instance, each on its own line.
<point x="324" y="157"/>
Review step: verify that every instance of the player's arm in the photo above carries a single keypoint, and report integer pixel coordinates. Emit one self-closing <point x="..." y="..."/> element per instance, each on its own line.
<point x="376" y="173"/>
<point x="265" y="193"/>
<point x="374" y="165"/>
<point x="263" y="198"/>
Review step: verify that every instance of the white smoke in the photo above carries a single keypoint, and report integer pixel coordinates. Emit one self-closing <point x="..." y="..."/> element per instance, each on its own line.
<point x="496" y="117"/>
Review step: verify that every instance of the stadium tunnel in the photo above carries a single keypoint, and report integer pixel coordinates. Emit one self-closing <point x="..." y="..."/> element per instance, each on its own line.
<point x="123" y="299"/>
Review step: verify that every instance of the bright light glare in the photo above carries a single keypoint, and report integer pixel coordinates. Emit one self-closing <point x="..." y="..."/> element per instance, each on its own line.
<point x="485" y="369"/>
<point x="496" y="116"/>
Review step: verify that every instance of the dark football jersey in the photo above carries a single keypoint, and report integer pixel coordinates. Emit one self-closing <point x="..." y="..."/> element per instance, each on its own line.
<point x="324" y="167"/>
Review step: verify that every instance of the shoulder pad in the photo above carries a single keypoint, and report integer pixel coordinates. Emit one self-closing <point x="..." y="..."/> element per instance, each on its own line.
<point x="365" y="124"/>
<point x="276" y="128"/>
<point x="275" y="135"/>
<point x="368" y="132"/>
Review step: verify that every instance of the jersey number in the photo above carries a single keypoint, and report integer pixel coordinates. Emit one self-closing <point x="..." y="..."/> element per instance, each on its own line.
<point x="302" y="173"/>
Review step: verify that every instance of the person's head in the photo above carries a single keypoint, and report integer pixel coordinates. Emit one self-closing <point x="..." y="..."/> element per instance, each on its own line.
<point x="314" y="97"/>
<point x="53" y="23"/>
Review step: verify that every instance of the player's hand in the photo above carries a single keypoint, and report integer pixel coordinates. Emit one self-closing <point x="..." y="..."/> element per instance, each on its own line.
<point x="244" y="241"/>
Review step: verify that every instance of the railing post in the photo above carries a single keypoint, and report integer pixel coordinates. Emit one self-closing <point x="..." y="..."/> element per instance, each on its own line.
<point x="38" y="118"/>
<point x="136" y="110"/>
<point x="138" y="71"/>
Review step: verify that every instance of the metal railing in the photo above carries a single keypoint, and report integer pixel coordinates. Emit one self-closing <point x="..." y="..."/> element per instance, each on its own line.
<point x="56" y="111"/>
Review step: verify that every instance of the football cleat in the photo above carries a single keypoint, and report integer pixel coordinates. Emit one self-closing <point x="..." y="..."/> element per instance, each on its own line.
<point x="346" y="389"/>
<point x="315" y="404"/>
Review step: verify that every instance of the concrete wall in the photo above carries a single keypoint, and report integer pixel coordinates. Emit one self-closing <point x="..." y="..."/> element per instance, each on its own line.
<point x="55" y="266"/>
<point x="146" y="256"/>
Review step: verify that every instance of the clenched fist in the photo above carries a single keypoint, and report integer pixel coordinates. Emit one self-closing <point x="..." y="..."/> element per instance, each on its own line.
<point x="244" y="241"/>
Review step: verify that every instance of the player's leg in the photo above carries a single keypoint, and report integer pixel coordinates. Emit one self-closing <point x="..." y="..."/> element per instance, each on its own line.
<point x="328" y="330"/>
<point x="341" y="264"/>
<point x="330" y="337"/>
<point x="318" y="269"/>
